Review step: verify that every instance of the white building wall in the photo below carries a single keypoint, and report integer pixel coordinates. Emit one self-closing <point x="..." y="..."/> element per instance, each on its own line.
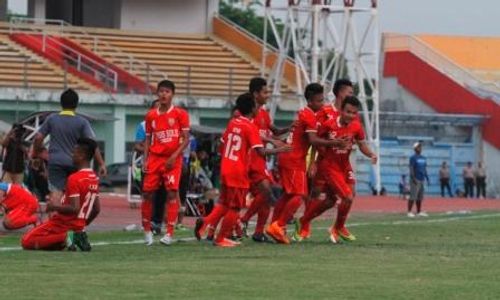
<point x="172" y="16"/>
<point x="492" y="162"/>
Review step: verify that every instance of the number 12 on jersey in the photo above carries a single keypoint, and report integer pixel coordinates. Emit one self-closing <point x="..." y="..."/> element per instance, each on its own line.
<point x="233" y="145"/>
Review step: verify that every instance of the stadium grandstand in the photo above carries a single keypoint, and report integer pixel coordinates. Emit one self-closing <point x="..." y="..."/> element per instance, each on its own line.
<point x="444" y="87"/>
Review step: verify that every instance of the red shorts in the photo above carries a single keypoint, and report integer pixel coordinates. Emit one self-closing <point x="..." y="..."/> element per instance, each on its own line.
<point x="49" y="235"/>
<point x="257" y="176"/>
<point x="334" y="181"/>
<point x="157" y="171"/>
<point x="294" y="182"/>
<point x="233" y="197"/>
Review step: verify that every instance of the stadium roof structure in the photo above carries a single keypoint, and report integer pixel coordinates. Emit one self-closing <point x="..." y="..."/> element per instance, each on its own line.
<point x="432" y="118"/>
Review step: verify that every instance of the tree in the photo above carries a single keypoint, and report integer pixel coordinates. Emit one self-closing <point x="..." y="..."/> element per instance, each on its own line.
<point x="248" y="19"/>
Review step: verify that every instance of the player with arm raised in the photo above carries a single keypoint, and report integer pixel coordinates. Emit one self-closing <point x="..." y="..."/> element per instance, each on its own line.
<point x="79" y="206"/>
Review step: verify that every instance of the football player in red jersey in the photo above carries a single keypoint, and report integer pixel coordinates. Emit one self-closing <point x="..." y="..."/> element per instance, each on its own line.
<point x="260" y="177"/>
<point x="19" y="204"/>
<point x="321" y="201"/>
<point x="79" y="206"/>
<point x="240" y="137"/>
<point x="335" y="175"/>
<point x="167" y="135"/>
<point x="292" y="165"/>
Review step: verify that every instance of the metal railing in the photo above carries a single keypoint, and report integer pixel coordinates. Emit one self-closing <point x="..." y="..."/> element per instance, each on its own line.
<point x="63" y="28"/>
<point x="438" y="60"/>
<point x="79" y="61"/>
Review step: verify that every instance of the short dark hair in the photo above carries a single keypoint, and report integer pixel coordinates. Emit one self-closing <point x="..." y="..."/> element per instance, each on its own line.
<point x="69" y="99"/>
<point x="166" y="84"/>
<point x="313" y="89"/>
<point x="245" y="103"/>
<point x="256" y="84"/>
<point x="352" y="101"/>
<point x="88" y="145"/>
<point x="339" y="84"/>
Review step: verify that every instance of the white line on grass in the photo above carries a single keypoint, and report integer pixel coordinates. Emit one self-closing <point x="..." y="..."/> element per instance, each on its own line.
<point x="189" y="239"/>
<point x="416" y="221"/>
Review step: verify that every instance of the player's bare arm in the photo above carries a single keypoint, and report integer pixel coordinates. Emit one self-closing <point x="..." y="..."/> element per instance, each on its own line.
<point x="103" y="171"/>
<point x="96" y="209"/>
<point x="70" y="209"/>
<point x="315" y="140"/>
<point x="311" y="171"/>
<point x="278" y="131"/>
<point x="365" y="149"/>
<point x="185" y="141"/>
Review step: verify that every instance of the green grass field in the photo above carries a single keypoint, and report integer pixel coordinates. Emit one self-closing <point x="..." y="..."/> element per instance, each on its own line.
<point x="440" y="257"/>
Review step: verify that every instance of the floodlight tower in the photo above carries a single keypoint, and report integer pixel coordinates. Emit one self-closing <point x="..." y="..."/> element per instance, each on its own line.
<point x="326" y="40"/>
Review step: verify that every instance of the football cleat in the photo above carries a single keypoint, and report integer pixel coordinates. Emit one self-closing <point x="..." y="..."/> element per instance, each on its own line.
<point x="225" y="243"/>
<point x="260" y="238"/>
<point x="346" y="235"/>
<point x="277" y="233"/>
<point x="334" y="235"/>
<point x="166" y="240"/>
<point x="148" y="238"/>
<point x="82" y="241"/>
<point x="199" y="228"/>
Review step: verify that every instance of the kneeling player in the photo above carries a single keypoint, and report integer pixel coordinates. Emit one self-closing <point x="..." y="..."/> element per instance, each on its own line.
<point x="79" y="206"/>
<point x="19" y="204"/>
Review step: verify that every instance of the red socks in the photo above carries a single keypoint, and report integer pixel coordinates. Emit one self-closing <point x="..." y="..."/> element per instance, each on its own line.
<point x="146" y="212"/>
<point x="228" y="223"/>
<point x="255" y="206"/>
<point x="289" y="210"/>
<point x="171" y="214"/>
<point x="342" y="214"/>
<point x="278" y="207"/>
<point x="215" y="216"/>
<point x="262" y="217"/>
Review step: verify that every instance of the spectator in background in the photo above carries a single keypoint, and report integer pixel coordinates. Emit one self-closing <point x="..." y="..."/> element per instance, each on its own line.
<point x="480" y="181"/>
<point x="404" y="187"/>
<point x="64" y="129"/>
<point x="37" y="174"/>
<point x="184" y="182"/>
<point x="14" y="152"/>
<point x="468" y="175"/>
<point x="444" y="179"/>
<point x="418" y="173"/>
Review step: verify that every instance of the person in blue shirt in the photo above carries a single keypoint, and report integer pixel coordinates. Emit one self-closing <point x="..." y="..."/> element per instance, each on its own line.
<point x="418" y="173"/>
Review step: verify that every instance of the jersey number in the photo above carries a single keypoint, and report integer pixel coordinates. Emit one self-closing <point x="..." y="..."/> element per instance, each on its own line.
<point x="87" y="205"/>
<point x="233" y="144"/>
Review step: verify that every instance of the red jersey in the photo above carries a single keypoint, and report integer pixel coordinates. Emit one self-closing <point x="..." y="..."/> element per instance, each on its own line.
<point x="83" y="184"/>
<point x="305" y="122"/>
<point x="15" y="195"/>
<point x="165" y="129"/>
<point x="263" y="122"/>
<point x="240" y="136"/>
<point x="339" y="158"/>
<point x="328" y="111"/>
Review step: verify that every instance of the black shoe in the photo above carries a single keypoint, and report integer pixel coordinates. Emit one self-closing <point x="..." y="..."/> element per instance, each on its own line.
<point x="155" y="228"/>
<point x="260" y="238"/>
<point x="244" y="228"/>
<point x="210" y="237"/>
<point x="237" y="238"/>
<point x="197" y="227"/>
<point x="82" y="241"/>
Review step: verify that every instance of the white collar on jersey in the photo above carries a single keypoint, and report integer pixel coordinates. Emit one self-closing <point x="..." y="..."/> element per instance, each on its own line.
<point x="169" y="110"/>
<point x="338" y="122"/>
